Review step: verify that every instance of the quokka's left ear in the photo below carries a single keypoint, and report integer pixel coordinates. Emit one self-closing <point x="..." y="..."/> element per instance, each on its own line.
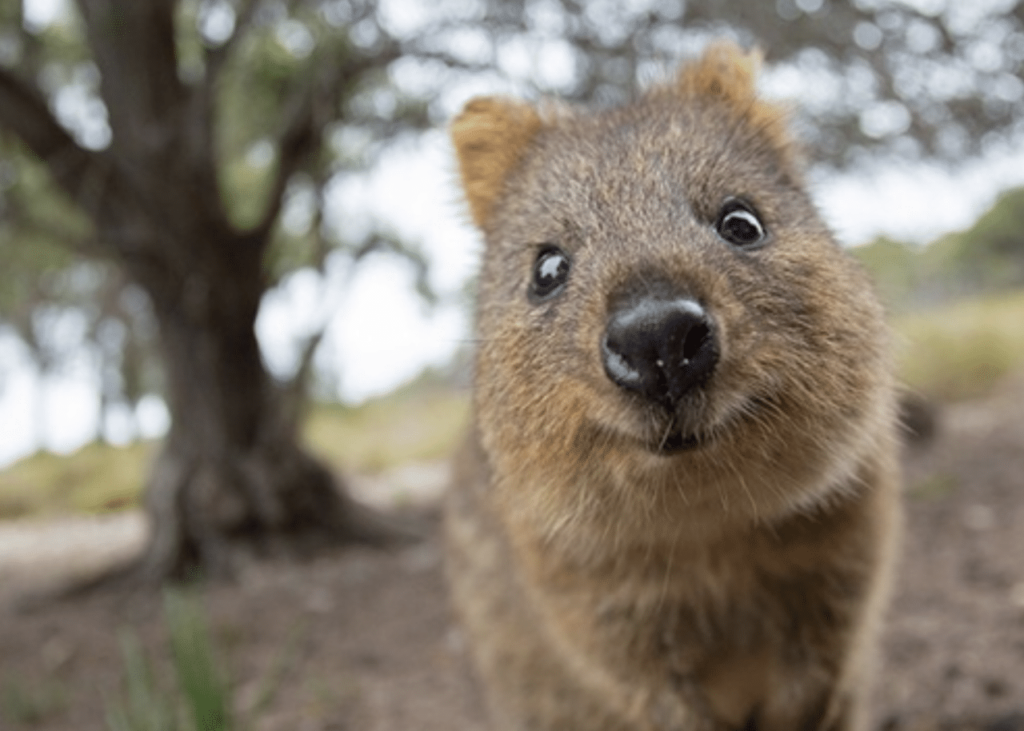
<point x="491" y="135"/>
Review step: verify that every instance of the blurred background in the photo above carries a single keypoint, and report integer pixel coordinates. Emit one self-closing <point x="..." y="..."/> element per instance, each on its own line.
<point x="158" y="155"/>
<point x="910" y="111"/>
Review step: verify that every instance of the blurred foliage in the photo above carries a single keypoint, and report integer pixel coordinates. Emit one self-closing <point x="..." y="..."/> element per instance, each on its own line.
<point x="987" y="257"/>
<point x="290" y="94"/>
<point x="896" y="268"/>
<point x="414" y="424"/>
<point x="961" y="349"/>
<point x="873" y="78"/>
<point x="97" y="478"/>
<point x="36" y="223"/>
<point x="958" y="302"/>
<point x="200" y="680"/>
<point x="990" y="254"/>
<point x="409" y="426"/>
<point x="57" y="298"/>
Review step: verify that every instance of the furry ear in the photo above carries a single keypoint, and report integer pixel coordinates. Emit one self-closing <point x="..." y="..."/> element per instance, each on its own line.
<point x="724" y="70"/>
<point x="490" y="137"/>
<point x="727" y="73"/>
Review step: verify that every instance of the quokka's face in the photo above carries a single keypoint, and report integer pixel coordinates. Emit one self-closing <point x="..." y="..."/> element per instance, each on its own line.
<point x="656" y="283"/>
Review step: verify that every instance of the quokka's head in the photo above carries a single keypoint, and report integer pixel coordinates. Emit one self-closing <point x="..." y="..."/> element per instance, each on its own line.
<point x="658" y="293"/>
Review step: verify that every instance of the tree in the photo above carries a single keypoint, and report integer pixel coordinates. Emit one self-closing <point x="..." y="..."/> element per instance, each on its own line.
<point x="159" y="181"/>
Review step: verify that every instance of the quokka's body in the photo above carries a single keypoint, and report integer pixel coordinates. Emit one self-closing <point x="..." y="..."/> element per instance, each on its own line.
<point x="676" y="506"/>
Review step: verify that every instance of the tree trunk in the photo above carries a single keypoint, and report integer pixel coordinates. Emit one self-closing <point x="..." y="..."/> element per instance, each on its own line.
<point x="231" y="478"/>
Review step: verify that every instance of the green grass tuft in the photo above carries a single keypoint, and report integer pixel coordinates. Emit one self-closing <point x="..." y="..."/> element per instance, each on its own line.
<point x="200" y="700"/>
<point x="146" y="707"/>
<point x="24" y="704"/>
<point x="204" y="689"/>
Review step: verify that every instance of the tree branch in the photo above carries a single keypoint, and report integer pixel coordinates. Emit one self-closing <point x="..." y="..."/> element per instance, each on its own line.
<point x="52" y="229"/>
<point x="165" y="143"/>
<point x="310" y="107"/>
<point x="75" y="169"/>
<point x="94" y="179"/>
<point x="295" y="390"/>
<point x="133" y="45"/>
<point x="217" y="56"/>
<point x="202" y="103"/>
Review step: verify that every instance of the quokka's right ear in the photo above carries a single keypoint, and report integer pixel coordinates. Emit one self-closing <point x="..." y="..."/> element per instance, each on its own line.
<point x="490" y="137"/>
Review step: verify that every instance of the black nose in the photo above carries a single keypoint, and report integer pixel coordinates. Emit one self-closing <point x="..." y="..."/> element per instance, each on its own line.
<point x="660" y="349"/>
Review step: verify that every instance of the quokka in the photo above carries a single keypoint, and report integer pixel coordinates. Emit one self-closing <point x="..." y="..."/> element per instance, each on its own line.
<point x="677" y="504"/>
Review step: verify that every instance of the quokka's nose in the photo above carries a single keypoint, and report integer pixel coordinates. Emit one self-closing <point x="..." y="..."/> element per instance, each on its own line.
<point x="660" y="348"/>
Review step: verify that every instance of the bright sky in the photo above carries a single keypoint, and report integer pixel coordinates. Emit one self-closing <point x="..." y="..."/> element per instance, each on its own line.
<point x="41" y="13"/>
<point x="917" y="203"/>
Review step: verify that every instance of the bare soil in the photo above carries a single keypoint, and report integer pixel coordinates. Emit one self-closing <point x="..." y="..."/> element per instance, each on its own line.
<point x="364" y="640"/>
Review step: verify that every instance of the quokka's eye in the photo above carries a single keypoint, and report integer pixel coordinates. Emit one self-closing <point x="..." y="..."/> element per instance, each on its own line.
<point x="550" y="272"/>
<point x="739" y="224"/>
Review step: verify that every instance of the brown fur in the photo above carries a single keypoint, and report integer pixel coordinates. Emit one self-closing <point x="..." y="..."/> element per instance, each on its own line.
<point x="490" y="136"/>
<point x="607" y="587"/>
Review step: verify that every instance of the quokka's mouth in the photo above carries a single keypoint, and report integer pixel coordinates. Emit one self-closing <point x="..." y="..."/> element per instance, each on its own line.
<point x="697" y="433"/>
<point x="684" y="432"/>
<point x="675" y="441"/>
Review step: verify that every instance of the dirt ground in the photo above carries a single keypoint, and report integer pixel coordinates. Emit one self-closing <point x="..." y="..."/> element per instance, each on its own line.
<point x="364" y="641"/>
